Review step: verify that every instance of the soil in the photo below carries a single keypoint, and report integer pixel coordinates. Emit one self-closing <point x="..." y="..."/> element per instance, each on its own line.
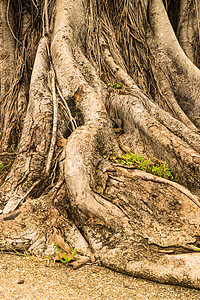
<point x="25" y="278"/>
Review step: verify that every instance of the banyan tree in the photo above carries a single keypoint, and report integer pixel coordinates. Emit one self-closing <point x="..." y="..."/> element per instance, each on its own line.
<point x="99" y="132"/>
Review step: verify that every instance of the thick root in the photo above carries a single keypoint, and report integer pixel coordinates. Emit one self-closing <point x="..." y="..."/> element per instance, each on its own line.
<point x="132" y="221"/>
<point x="183" y="74"/>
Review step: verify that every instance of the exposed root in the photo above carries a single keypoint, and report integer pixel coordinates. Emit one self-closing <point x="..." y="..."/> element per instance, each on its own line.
<point x="130" y="84"/>
<point x="169" y="55"/>
<point x="180" y="269"/>
<point x="36" y="136"/>
<point x="160" y="142"/>
<point x="33" y="230"/>
<point x="121" y="215"/>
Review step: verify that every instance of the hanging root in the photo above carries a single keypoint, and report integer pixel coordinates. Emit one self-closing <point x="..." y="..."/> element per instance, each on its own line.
<point x="55" y="124"/>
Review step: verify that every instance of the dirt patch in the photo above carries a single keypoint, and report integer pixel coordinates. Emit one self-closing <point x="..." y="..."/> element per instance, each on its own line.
<point x="26" y="279"/>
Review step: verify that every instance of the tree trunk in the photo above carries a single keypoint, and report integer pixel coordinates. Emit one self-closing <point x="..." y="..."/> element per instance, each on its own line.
<point x="101" y="101"/>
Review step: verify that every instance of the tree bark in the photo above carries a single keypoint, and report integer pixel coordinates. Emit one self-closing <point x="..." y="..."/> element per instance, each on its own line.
<point x="85" y="109"/>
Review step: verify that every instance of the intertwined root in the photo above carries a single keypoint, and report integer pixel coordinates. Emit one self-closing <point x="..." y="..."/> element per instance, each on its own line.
<point x="134" y="222"/>
<point x="183" y="75"/>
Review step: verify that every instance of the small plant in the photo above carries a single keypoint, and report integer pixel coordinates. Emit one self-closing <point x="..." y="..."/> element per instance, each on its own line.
<point x="195" y="121"/>
<point x="105" y="195"/>
<point x="25" y="254"/>
<point x="116" y="85"/>
<point x="64" y="257"/>
<point x="160" y="169"/>
<point x="3" y="167"/>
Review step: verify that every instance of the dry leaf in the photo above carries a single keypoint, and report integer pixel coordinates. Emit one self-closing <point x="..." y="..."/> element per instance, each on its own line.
<point x="92" y="258"/>
<point x="90" y="220"/>
<point x="21" y="281"/>
<point x="77" y="264"/>
<point x="61" y="142"/>
<point x="95" y="271"/>
<point x="117" y="130"/>
<point x="77" y="97"/>
<point x="59" y="241"/>
<point x="79" y="251"/>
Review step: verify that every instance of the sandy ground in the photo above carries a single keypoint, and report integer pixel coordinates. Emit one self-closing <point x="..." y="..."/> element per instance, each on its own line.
<point x="26" y="279"/>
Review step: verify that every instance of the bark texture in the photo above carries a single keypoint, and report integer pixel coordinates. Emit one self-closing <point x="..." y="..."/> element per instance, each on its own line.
<point x="107" y="81"/>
